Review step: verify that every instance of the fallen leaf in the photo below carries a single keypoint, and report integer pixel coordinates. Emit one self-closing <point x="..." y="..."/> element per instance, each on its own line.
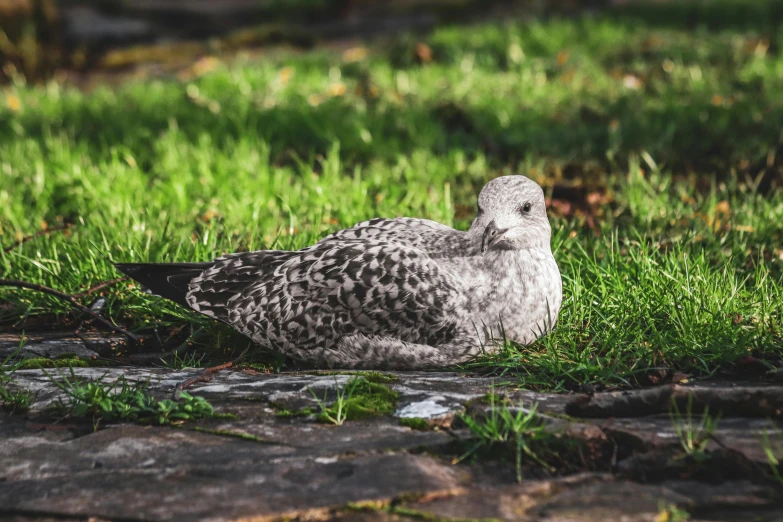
<point x="632" y="82"/>
<point x="14" y="103"/>
<point x="749" y="361"/>
<point x="355" y="54"/>
<point x="598" y="198"/>
<point x="204" y="65"/>
<point x="285" y="74"/>
<point x="561" y="206"/>
<point x="424" y="52"/>
<point x="337" y="89"/>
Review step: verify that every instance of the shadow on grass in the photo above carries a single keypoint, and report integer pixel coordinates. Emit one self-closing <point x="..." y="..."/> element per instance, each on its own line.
<point x="685" y="135"/>
<point x="713" y="15"/>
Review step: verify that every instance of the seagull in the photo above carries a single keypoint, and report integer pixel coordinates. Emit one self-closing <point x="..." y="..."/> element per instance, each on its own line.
<point x="402" y="293"/>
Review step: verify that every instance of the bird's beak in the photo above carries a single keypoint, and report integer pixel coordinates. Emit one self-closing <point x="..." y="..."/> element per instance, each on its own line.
<point x="492" y="234"/>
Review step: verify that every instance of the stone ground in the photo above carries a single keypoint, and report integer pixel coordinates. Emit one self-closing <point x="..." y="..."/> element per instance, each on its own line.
<point x="624" y="462"/>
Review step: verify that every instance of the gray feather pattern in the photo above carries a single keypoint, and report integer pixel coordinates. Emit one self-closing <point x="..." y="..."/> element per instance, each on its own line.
<point x="395" y="293"/>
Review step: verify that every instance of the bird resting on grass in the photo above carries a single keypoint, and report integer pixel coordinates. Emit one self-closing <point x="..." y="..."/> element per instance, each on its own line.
<point x="400" y="293"/>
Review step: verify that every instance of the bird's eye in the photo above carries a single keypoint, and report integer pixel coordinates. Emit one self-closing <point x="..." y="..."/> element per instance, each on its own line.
<point x="525" y="208"/>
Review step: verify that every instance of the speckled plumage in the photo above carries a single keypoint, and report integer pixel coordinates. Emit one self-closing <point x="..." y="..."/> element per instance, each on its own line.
<point x="395" y="293"/>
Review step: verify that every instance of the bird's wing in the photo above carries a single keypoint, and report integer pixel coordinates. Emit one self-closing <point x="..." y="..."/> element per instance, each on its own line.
<point x="242" y="275"/>
<point x="424" y="234"/>
<point x="314" y="297"/>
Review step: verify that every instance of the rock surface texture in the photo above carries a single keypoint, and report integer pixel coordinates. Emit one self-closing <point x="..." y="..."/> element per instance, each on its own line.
<point x="273" y="461"/>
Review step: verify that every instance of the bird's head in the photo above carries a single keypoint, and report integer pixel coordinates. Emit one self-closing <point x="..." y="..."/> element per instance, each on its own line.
<point x="511" y="215"/>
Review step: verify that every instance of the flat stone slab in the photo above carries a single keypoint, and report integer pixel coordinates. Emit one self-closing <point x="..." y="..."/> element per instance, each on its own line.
<point x="264" y="466"/>
<point x="422" y="394"/>
<point x="167" y="474"/>
<point x="54" y="345"/>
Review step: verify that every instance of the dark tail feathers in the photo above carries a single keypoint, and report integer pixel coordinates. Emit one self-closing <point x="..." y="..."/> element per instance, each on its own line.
<point x="169" y="280"/>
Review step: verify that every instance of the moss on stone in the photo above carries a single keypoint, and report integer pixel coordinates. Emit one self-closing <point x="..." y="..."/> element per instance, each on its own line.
<point x="286" y="413"/>
<point x="370" y="376"/>
<point x="379" y="377"/>
<point x="371" y="399"/>
<point x="368" y="506"/>
<point x="35" y="363"/>
<point x="492" y="398"/>
<point x="367" y="399"/>
<point x="227" y="416"/>
<point x="234" y="434"/>
<point x="416" y="423"/>
<point x="260" y="367"/>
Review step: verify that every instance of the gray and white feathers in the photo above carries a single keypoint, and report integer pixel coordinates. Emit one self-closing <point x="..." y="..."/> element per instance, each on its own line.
<point x="388" y="293"/>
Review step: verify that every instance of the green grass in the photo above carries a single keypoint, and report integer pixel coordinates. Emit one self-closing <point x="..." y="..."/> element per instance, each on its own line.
<point x="358" y="399"/>
<point x="520" y="438"/>
<point x="180" y="362"/>
<point x="12" y="399"/>
<point x="127" y="402"/>
<point x="661" y="132"/>
<point x="772" y="446"/>
<point x="693" y="436"/>
<point x="519" y="430"/>
<point x="671" y="513"/>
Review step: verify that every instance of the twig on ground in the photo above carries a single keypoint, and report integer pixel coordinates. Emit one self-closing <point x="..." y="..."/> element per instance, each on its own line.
<point x="206" y="375"/>
<point x="100" y="286"/>
<point x="89" y="291"/>
<point x="25" y="239"/>
<point x="69" y="299"/>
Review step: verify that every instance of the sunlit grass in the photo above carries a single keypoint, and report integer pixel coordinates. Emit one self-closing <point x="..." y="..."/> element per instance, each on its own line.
<point x="667" y="139"/>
